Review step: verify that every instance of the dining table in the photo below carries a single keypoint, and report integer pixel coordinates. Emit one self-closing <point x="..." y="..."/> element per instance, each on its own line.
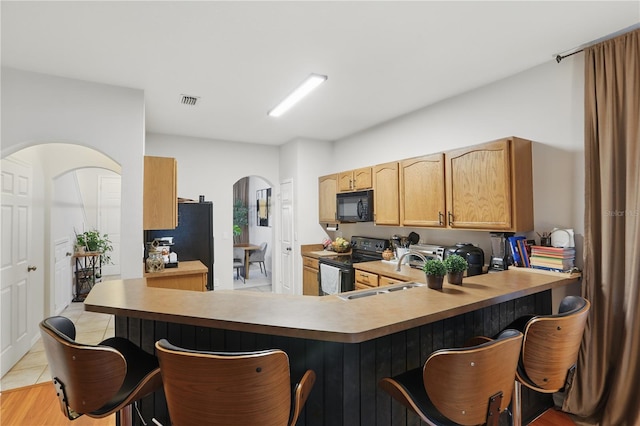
<point x="248" y="248"/>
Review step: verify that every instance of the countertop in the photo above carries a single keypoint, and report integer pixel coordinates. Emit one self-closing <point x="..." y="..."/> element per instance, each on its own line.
<point x="327" y="318"/>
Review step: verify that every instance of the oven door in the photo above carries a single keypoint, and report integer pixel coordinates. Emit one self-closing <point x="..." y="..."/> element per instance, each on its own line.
<point x="334" y="279"/>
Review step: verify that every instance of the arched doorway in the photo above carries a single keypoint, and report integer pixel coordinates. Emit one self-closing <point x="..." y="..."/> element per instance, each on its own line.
<point x="253" y="228"/>
<point x="54" y="183"/>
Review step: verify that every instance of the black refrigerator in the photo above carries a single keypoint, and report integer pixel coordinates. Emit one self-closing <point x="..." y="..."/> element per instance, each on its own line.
<point x="193" y="238"/>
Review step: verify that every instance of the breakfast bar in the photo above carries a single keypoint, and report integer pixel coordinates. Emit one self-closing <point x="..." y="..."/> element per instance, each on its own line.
<point x="351" y="343"/>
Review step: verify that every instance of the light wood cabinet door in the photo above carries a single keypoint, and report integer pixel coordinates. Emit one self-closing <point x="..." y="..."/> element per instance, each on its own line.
<point x="365" y="279"/>
<point x="327" y="189"/>
<point x="362" y="178"/>
<point x="388" y="281"/>
<point x="160" y="205"/>
<point x="490" y="186"/>
<point x="422" y="191"/>
<point x="355" y="180"/>
<point x="310" y="285"/>
<point x="386" y="194"/>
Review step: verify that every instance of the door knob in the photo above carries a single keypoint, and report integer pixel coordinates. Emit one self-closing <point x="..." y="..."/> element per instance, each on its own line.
<point x="31" y="268"/>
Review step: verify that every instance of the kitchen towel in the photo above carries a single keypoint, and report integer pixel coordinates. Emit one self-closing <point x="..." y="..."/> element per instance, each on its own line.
<point x="329" y="278"/>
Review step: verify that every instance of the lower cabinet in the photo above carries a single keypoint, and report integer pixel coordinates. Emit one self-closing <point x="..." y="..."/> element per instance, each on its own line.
<point x="189" y="275"/>
<point x="310" y="285"/>
<point x="388" y="281"/>
<point x="365" y="280"/>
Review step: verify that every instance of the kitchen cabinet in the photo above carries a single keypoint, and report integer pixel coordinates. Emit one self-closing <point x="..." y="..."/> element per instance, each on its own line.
<point x="490" y="186"/>
<point x="365" y="280"/>
<point x="386" y="194"/>
<point x="327" y="190"/>
<point x="388" y="281"/>
<point x="355" y="180"/>
<point x="160" y="205"/>
<point x="310" y="268"/>
<point x="189" y="275"/>
<point x="422" y="191"/>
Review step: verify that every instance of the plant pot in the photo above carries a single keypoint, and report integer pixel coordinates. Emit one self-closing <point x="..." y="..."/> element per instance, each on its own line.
<point x="435" y="281"/>
<point x="455" y="277"/>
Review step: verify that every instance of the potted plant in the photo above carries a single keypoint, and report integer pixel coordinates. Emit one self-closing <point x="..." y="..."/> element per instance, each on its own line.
<point x="435" y="271"/>
<point x="93" y="241"/>
<point x="240" y="218"/>
<point x="456" y="265"/>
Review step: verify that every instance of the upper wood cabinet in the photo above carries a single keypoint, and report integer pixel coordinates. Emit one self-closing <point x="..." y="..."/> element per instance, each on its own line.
<point x="422" y="191"/>
<point x="355" y="180"/>
<point x="160" y="205"/>
<point x="490" y="186"/>
<point x="327" y="189"/>
<point x="386" y="195"/>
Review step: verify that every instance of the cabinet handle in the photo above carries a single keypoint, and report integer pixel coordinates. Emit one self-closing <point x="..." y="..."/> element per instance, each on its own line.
<point x="440" y="218"/>
<point x="450" y="219"/>
<point x="31" y="268"/>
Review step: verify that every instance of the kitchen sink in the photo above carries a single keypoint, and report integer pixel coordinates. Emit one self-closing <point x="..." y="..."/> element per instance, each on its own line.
<point x="383" y="290"/>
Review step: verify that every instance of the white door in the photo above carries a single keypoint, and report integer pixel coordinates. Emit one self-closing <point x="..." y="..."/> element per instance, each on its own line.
<point x="286" y="237"/>
<point x="63" y="279"/>
<point x="109" y="219"/>
<point x="14" y="285"/>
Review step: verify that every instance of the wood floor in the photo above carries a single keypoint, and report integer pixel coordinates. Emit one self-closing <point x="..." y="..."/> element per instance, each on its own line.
<point x="553" y="417"/>
<point x="38" y="405"/>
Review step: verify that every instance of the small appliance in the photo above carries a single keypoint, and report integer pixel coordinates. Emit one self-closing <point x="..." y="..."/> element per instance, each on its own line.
<point x="500" y="251"/>
<point x="474" y="256"/>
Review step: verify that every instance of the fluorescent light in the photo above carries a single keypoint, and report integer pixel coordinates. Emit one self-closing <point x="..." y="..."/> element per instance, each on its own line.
<point x="310" y="83"/>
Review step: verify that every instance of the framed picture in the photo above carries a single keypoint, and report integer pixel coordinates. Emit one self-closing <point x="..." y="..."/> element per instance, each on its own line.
<point x="263" y="204"/>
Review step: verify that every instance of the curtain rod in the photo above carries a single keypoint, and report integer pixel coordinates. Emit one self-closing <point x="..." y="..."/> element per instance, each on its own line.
<point x="561" y="57"/>
<point x="633" y="27"/>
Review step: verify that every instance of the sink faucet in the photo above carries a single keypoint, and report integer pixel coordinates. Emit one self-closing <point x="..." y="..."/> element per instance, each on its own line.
<point x="413" y="252"/>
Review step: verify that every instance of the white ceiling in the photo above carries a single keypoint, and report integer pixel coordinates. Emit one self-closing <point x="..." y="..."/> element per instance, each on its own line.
<point x="383" y="58"/>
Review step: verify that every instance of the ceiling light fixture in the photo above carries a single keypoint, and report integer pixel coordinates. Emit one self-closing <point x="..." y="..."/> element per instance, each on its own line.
<point x="310" y="83"/>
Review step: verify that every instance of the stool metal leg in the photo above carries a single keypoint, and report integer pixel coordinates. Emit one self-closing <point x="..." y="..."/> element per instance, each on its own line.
<point x="516" y="404"/>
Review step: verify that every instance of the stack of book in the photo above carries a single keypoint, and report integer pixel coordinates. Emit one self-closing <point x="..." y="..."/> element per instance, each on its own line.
<point x="557" y="259"/>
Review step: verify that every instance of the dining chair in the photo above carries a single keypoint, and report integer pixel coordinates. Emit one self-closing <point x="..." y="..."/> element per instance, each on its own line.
<point x="257" y="256"/>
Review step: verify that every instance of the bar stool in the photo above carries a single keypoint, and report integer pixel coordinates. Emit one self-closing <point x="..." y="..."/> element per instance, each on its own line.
<point x="549" y="349"/>
<point x="225" y="388"/>
<point x="468" y="386"/>
<point x="97" y="380"/>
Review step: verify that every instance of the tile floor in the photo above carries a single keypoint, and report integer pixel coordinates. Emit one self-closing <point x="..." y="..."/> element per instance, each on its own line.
<point x="92" y="328"/>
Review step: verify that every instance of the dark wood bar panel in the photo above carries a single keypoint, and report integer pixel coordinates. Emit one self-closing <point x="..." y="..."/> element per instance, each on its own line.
<point x="346" y="390"/>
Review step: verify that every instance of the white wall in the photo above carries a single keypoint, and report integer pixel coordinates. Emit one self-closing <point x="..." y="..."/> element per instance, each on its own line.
<point x="543" y="104"/>
<point x="38" y="108"/>
<point x="210" y="168"/>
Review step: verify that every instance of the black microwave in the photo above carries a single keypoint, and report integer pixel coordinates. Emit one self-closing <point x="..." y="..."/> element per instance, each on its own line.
<point x="355" y="206"/>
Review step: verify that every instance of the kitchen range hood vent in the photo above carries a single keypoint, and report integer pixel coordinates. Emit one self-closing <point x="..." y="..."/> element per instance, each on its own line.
<point x="189" y="100"/>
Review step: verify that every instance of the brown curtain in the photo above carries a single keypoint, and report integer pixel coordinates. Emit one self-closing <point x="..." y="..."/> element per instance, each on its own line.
<point x="606" y="390"/>
<point x="241" y="192"/>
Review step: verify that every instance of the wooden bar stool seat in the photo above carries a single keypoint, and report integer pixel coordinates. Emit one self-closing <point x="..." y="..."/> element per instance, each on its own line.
<point x="462" y="386"/>
<point x="231" y="389"/>
<point x="97" y="380"/>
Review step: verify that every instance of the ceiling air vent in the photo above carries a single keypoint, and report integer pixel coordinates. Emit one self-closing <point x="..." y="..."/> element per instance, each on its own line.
<point x="189" y="100"/>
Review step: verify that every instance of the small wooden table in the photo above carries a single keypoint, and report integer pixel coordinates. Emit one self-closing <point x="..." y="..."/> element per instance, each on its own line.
<point x="248" y="248"/>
